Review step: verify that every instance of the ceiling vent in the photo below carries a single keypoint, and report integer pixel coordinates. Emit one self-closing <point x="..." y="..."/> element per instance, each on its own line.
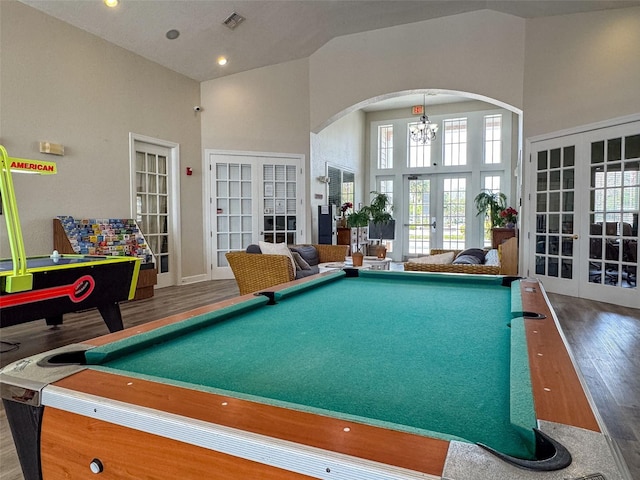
<point x="233" y="20"/>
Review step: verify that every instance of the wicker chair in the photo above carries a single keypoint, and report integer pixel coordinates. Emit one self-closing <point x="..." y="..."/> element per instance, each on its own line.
<point x="255" y="272"/>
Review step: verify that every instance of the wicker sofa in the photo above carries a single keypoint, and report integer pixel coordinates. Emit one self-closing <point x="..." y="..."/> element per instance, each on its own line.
<point x="256" y="271"/>
<point x="507" y="264"/>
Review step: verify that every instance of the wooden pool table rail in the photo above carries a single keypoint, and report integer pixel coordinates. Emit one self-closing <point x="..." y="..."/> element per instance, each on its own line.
<point x="558" y="393"/>
<point x="378" y="444"/>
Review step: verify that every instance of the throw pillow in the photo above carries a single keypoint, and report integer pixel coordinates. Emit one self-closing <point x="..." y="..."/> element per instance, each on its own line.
<point x="301" y="264"/>
<point x="492" y="257"/>
<point x="474" y="252"/>
<point x="439" y="259"/>
<point x="277" y="249"/>
<point x="308" y="252"/>
<point x="253" y="248"/>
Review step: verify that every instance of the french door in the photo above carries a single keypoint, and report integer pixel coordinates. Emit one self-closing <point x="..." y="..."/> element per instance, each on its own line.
<point x="252" y="197"/>
<point x="583" y="233"/>
<point x="155" y="190"/>
<point x="436" y="211"/>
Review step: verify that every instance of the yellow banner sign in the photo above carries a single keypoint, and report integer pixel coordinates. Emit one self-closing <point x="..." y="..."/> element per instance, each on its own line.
<point x="32" y="166"/>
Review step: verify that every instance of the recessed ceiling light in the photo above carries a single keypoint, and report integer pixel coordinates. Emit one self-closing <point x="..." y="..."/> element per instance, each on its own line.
<point x="222" y="61"/>
<point x="111" y="3"/>
<point x="172" y="34"/>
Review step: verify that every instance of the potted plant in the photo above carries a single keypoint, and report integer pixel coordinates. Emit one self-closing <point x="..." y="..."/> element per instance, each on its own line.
<point x="344" y="209"/>
<point x="491" y="204"/>
<point x="358" y="219"/>
<point x="382" y="225"/>
<point x="510" y="217"/>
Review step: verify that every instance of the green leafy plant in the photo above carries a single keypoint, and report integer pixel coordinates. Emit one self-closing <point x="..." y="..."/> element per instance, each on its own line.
<point x="380" y="214"/>
<point x="359" y="218"/>
<point x="491" y="204"/>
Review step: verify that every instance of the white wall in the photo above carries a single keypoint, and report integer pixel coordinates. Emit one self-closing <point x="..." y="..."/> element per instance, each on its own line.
<point x="61" y="84"/>
<point x="264" y="110"/>
<point x="480" y="52"/>
<point x="341" y="144"/>
<point x="581" y="69"/>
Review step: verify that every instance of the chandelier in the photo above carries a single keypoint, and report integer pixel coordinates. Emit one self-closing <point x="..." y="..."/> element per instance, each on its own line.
<point x="424" y="131"/>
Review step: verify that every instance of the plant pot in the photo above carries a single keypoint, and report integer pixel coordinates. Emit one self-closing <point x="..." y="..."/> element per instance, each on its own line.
<point x="382" y="252"/>
<point x="357" y="258"/>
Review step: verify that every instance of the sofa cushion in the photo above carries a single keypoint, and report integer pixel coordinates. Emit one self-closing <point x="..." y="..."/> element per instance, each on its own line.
<point x="307" y="273"/>
<point x="277" y="249"/>
<point x="308" y="253"/>
<point x="301" y="264"/>
<point x="438" y="259"/>
<point x="477" y="253"/>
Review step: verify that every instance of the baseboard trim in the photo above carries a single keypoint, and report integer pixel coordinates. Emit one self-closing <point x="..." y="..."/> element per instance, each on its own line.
<point x="194" y="279"/>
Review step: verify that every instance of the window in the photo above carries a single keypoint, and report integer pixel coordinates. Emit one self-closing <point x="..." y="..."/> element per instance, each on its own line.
<point x="610" y="203"/>
<point x="386" y="186"/>
<point x="455" y="142"/>
<point x="385" y="146"/>
<point x="459" y="149"/>
<point x="348" y="186"/>
<point x="419" y="154"/>
<point x="341" y="186"/>
<point x="454" y="213"/>
<point x="492" y="139"/>
<point x="491" y="184"/>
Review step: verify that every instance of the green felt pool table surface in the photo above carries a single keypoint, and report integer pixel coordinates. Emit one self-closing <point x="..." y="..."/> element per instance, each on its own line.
<point x="407" y="351"/>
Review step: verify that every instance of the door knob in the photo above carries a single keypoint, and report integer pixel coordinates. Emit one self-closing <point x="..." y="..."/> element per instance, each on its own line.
<point x="575" y="236"/>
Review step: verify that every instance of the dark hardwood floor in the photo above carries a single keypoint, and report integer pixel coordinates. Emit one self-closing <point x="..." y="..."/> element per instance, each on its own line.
<point x="605" y="340"/>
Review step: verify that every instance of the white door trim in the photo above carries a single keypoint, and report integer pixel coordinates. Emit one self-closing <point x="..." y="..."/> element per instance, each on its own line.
<point x="208" y="196"/>
<point x="174" y="200"/>
<point x="614" y="122"/>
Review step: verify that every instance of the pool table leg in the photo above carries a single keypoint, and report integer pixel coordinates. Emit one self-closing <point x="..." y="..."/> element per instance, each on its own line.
<point x="25" y="423"/>
<point x="111" y="316"/>
<point x="54" y="321"/>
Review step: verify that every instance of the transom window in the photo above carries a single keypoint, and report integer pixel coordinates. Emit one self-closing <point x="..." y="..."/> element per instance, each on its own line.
<point x="385" y="146"/>
<point x="419" y="154"/>
<point x="455" y="142"/>
<point x="492" y="139"/>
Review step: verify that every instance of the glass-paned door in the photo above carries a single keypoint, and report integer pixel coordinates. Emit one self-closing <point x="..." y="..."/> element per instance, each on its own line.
<point x="614" y="197"/>
<point x="253" y="198"/>
<point x="436" y="209"/>
<point x="418" y="229"/>
<point x="152" y="177"/>
<point x="234" y="206"/>
<point x="279" y="212"/>
<point x="555" y="234"/>
<point x="587" y="201"/>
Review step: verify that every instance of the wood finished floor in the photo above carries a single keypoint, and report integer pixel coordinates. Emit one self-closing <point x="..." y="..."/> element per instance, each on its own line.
<point x="605" y="340"/>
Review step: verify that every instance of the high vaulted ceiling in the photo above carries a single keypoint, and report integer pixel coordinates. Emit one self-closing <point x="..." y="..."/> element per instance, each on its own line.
<point x="274" y="31"/>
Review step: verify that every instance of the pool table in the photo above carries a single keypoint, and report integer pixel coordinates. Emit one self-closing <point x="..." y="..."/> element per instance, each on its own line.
<point x="346" y="375"/>
<point x="69" y="283"/>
